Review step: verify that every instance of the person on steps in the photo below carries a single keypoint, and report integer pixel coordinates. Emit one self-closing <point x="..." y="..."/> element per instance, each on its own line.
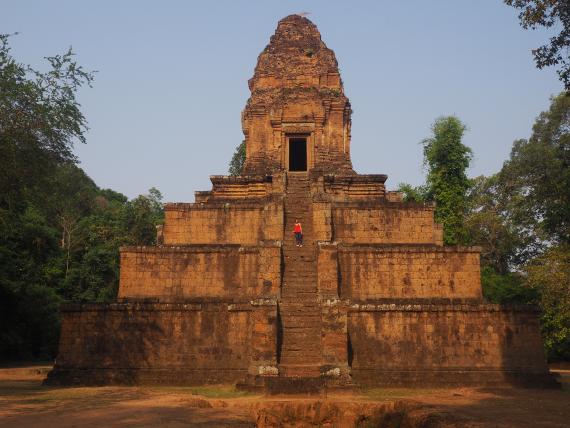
<point x="298" y="231"/>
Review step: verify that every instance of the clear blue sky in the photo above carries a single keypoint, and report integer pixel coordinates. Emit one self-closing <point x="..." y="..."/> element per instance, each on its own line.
<point x="172" y="79"/>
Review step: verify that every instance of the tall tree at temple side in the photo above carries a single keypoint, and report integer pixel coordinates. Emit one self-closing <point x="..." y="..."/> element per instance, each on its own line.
<point x="447" y="159"/>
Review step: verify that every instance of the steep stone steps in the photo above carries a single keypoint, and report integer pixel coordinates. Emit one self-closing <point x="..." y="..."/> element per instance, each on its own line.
<point x="301" y="349"/>
<point x="300" y="370"/>
<point x="297" y="293"/>
<point x="311" y="385"/>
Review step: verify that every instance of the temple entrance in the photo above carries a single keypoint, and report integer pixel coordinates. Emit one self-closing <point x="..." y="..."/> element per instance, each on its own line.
<point x="297" y="154"/>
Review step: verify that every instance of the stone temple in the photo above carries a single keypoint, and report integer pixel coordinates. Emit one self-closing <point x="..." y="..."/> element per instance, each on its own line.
<point x="373" y="298"/>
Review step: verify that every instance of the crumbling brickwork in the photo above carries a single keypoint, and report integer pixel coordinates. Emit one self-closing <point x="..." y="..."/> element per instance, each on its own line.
<point x="223" y="271"/>
<point x="398" y="271"/>
<point x="385" y="224"/>
<point x="190" y="343"/>
<point x="422" y="343"/>
<point x="226" y="223"/>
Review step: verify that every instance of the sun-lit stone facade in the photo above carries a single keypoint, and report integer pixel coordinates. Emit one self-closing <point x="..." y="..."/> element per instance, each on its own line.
<point x="297" y="98"/>
<point x="371" y="298"/>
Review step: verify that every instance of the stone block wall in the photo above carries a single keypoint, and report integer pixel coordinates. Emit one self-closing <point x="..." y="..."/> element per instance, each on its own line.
<point x="322" y="221"/>
<point x="334" y="332"/>
<point x="361" y="188"/>
<point x="164" y="343"/>
<point x="390" y="223"/>
<point x="253" y="188"/>
<point x="226" y="223"/>
<point x="411" y="344"/>
<point x="369" y="272"/>
<point x="221" y="271"/>
<point x="327" y="271"/>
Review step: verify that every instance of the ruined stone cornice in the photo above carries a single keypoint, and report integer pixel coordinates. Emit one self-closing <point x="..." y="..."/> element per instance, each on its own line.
<point x="359" y="178"/>
<point x="436" y="305"/>
<point x="240" y="179"/>
<point x="159" y="305"/>
<point x="383" y="204"/>
<point x="191" y="248"/>
<point x="235" y="204"/>
<point x="404" y="247"/>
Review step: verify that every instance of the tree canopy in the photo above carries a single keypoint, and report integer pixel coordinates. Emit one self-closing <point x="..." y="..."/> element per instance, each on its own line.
<point x="238" y="160"/>
<point x="548" y="14"/>
<point x="536" y="177"/>
<point x="59" y="232"/>
<point x="519" y="216"/>
<point x="549" y="276"/>
<point x="446" y="160"/>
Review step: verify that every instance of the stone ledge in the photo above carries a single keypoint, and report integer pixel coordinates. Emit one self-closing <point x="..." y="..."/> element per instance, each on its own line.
<point x="438" y="306"/>
<point x="240" y="179"/>
<point x="195" y="248"/>
<point x="202" y="304"/>
<point x="356" y="178"/>
<point x="233" y="204"/>
<point x="403" y="248"/>
<point x="332" y="245"/>
<point x="381" y="203"/>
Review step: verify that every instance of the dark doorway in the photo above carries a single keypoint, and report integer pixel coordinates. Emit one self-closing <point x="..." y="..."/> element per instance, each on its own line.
<point x="297" y="154"/>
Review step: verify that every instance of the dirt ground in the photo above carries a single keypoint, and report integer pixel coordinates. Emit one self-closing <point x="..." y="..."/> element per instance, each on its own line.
<point x="24" y="402"/>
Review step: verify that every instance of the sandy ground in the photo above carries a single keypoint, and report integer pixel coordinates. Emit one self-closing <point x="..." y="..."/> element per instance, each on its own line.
<point x="24" y="402"/>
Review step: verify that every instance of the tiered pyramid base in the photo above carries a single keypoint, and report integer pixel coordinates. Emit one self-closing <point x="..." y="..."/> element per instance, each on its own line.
<point x="372" y="298"/>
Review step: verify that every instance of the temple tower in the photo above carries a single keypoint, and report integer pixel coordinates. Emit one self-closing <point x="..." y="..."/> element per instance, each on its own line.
<point x="297" y="118"/>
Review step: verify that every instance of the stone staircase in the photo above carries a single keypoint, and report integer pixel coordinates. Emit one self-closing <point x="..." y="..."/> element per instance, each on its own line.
<point x="300" y="357"/>
<point x="299" y="310"/>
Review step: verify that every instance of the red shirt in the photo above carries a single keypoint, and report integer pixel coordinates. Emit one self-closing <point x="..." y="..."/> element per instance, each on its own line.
<point x="298" y="228"/>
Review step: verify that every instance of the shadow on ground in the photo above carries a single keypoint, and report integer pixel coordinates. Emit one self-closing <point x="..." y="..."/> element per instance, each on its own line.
<point x="24" y="402"/>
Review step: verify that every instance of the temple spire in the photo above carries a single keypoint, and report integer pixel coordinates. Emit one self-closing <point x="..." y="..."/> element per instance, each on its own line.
<point x="297" y="117"/>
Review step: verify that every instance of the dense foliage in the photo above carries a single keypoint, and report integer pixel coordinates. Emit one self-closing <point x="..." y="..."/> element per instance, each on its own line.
<point x="446" y="160"/>
<point x="59" y="233"/>
<point x="537" y="175"/>
<point x="549" y="276"/>
<point x="519" y="216"/>
<point x="238" y="160"/>
<point x="548" y="14"/>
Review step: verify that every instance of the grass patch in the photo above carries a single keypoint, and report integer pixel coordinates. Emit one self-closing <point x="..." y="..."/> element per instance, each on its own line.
<point x="14" y="388"/>
<point x="34" y="393"/>
<point x="64" y="394"/>
<point x="209" y="391"/>
<point x="377" y="394"/>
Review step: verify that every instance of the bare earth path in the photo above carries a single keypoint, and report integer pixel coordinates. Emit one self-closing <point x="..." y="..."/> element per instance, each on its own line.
<point x="24" y="402"/>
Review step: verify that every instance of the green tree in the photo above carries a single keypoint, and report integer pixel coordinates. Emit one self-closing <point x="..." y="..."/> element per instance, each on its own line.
<point x="548" y="13"/>
<point x="446" y="159"/>
<point x="549" y="276"/>
<point x="506" y="287"/>
<point x="238" y="160"/>
<point x="142" y="215"/>
<point x="59" y="233"/>
<point x="111" y="222"/>
<point x="413" y="193"/>
<point x="536" y="178"/>
<point x="492" y="223"/>
<point x="520" y="216"/>
<point x="40" y="120"/>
